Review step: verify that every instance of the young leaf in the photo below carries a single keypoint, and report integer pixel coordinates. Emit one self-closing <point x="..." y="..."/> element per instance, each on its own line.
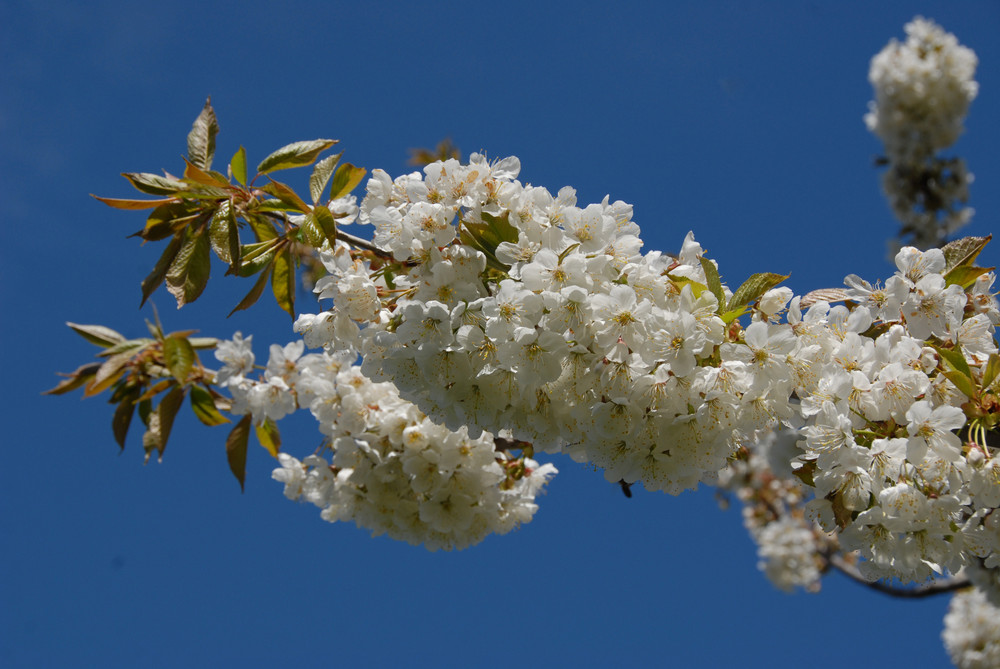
<point x="219" y="232"/>
<point x="179" y="356"/>
<point x="287" y="196"/>
<point x="201" y="139"/>
<point x="196" y="175"/>
<point x="963" y="251"/>
<point x="991" y="371"/>
<point x="326" y="223"/>
<point x="74" y="380"/>
<point x="97" y="334"/>
<point x="204" y="407"/>
<point x="131" y="204"/>
<point x="153" y="184"/>
<point x="283" y="281"/>
<point x="295" y="154"/>
<point x="155" y="278"/>
<point x="254" y="294"/>
<point x="238" y="166"/>
<point x="321" y="176"/>
<point x="109" y="372"/>
<point x="713" y="281"/>
<point x="188" y="273"/>
<point x="123" y="416"/>
<point x="236" y="449"/>
<point x="269" y="437"/>
<point x="346" y="178"/>
<point x="168" y="218"/>
<point x="754" y="288"/>
<point x="161" y="421"/>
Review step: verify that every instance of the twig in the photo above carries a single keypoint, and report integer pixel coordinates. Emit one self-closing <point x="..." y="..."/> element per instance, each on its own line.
<point x="926" y="590"/>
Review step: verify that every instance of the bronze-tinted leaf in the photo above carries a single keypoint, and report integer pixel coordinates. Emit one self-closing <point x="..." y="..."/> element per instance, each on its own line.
<point x="963" y="251"/>
<point x="188" y="273"/>
<point x="131" y="204"/>
<point x="155" y="278"/>
<point x="823" y="295"/>
<point x="255" y="292"/>
<point x="201" y="139"/>
<point x="109" y="372"/>
<point x="154" y="184"/>
<point x="295" y="154"/>
<point x="74" y="380"/>
<point x="163" y="418"/>
<point x="123" y="415"/>
<point x="236" y="449"/>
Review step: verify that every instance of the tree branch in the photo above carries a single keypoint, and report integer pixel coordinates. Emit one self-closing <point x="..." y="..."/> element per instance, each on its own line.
<point x="940" y="587"/>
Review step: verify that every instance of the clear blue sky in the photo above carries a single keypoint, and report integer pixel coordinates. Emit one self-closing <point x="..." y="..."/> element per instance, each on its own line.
<point x="740" y="121"/>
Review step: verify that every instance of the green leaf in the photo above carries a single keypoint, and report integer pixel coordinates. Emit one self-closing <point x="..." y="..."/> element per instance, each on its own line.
<point x="991" y="371"/>
<point x="201" y="139"/>
<point x="169" y="218"/>
<point x="962" y="252"/>
<point x="955" y="360"/>
<point x="154" y="184"/>
<point x="283" y="281"/>
<point x="346" y="179"/>
<point x="224" y="234"/>
<point x="254" y="294"/>
<point x="287" y="196"/>
<point x="81" y="376"/>
<point x="203" y="342"/>
<point x="236" y="449"/>
<point x="204" y="407"/>
<point x="238" y="166"/>
<point x="262" y="227"/>
<point x="321" y="176"/>
<point x="326" y="223"/>
<point x="754" y="288"/>
<point x="966" y="275"/>
<point x="269" y="437"/>
<point x="188" y="273"/>
<point x="295" y="154"/>
<point x="714" y="283"/>
<point x="133" y="345"/>
<point x="123" y="416"/>
<point x="161" y="421"/>
<point x="179" y="356"/>
<point x="97" y="334"/>
<point x="962" y="382"/>
<point x="258" y="256"/>
<point x="131" y="205"/>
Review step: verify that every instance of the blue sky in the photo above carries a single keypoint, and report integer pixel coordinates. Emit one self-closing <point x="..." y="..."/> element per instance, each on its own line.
<point x="740" y="121"/>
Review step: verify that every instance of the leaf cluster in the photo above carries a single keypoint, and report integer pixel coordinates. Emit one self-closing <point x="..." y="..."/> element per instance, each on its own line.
<point x="204" y="212"/>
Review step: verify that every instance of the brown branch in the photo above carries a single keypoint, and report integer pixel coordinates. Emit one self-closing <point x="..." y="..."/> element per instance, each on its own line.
<point x="940" y="587"/>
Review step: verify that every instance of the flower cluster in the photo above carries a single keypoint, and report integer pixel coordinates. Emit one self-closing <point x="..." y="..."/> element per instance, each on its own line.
<point x="502" y="308"/>
<point x="881" y="413"/>
<point x="923" y="89"/>
<point x="384" y="465"/>
<point x="790" y="547"/>
<point x="972" y="631"/>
